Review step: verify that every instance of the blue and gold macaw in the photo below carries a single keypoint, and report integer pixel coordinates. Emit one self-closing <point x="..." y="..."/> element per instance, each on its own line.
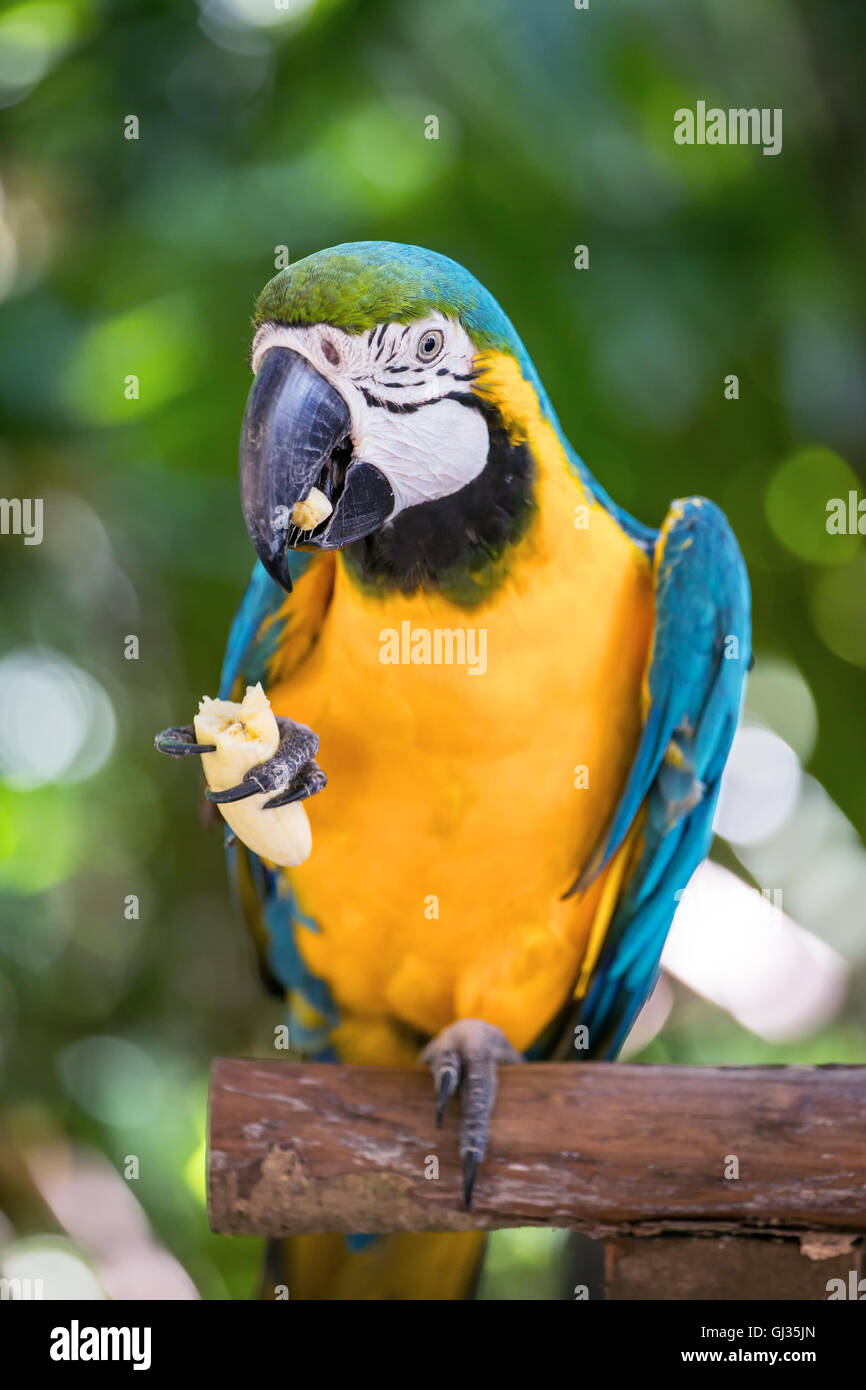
<point x="500" y="846"/>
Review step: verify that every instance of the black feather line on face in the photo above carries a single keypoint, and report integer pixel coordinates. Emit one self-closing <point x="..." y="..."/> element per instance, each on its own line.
<point x="395" y="408"/>
<point x="409" y="407"/>
<point x="429" y="546"/>
<point x="380" y="341"/>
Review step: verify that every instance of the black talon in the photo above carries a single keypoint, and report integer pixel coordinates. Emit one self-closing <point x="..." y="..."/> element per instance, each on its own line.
<point x="238" y="793"/>
<point x="470" y="1169"/>
<point x="179" y="741"/>
<point x="445" y="1088"/>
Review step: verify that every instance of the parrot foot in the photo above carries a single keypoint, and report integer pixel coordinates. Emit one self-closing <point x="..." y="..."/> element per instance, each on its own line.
<point x="469" y="1051"/>
<point x="292" y="773"/>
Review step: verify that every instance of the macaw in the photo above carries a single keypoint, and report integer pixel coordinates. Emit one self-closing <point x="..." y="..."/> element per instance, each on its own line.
<point x="501" y="843"/>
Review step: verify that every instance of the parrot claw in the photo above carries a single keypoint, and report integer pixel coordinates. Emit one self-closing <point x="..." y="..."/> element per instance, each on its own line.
<point x="469" y="1052"/>
<point x="291" y="773"/>
<point x="179" y="741"/>
<point x="446" y="1085"/>
<point x="470" y="1168"/>
<point x="238" y="793"/>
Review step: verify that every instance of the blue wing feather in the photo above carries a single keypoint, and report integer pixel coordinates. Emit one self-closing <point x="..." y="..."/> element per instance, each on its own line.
<point x="700" y="655"/>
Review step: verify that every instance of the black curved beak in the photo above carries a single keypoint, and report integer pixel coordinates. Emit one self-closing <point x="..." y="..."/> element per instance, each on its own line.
<point x="296" y="435"/>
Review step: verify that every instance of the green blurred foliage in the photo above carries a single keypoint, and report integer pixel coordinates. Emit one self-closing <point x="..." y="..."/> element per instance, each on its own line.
<point x="259" y="127"/>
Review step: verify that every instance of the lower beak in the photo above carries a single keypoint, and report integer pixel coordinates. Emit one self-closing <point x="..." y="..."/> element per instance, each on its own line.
<point x="296" y="436"/>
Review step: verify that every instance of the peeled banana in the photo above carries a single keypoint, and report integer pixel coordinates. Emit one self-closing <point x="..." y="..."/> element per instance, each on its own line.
<point x="245" y="734"/>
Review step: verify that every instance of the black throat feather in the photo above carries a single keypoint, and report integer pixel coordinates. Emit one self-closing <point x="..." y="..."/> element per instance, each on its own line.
<point x="457" y="545"/>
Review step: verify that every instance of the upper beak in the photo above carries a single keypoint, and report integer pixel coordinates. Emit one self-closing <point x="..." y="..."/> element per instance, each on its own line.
<point x="296" y="435"/>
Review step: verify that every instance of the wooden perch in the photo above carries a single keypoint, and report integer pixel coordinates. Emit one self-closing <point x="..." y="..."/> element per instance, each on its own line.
<point x="606" y="1149"/>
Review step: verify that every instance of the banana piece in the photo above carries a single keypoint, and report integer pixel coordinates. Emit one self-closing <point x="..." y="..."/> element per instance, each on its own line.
<point x="314" y="508"/>
<point x="245" y="734"/>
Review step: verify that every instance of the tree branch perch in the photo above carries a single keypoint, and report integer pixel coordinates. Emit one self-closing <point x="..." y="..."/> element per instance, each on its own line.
<point x="607" y="1149"/>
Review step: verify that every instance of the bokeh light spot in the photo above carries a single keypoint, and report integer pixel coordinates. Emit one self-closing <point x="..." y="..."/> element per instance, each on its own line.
<point x="796" y="504"/>
<point x="760" y="786"/>
<point x="838" y="608"/>
<point x="112" y="1079"/>
<point x="777" y="694"/>
<point x="157" y="343"/>
<point x="57" y="723"/>
<point x="47" y="1267"/>
<point x="32" y="38"/>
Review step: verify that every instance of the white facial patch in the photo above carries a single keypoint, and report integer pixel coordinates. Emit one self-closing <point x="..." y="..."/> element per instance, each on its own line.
<point x="405" y="419"/>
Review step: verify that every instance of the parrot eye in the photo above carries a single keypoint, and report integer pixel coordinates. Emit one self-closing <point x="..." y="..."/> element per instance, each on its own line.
<point x="430" y="345"/>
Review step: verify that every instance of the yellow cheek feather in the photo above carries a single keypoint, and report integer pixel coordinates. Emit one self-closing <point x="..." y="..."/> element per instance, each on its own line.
<point x="461" y="807"/>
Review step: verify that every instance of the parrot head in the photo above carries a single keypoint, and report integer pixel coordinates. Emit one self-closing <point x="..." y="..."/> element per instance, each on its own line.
<point x="367" y="425"/>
